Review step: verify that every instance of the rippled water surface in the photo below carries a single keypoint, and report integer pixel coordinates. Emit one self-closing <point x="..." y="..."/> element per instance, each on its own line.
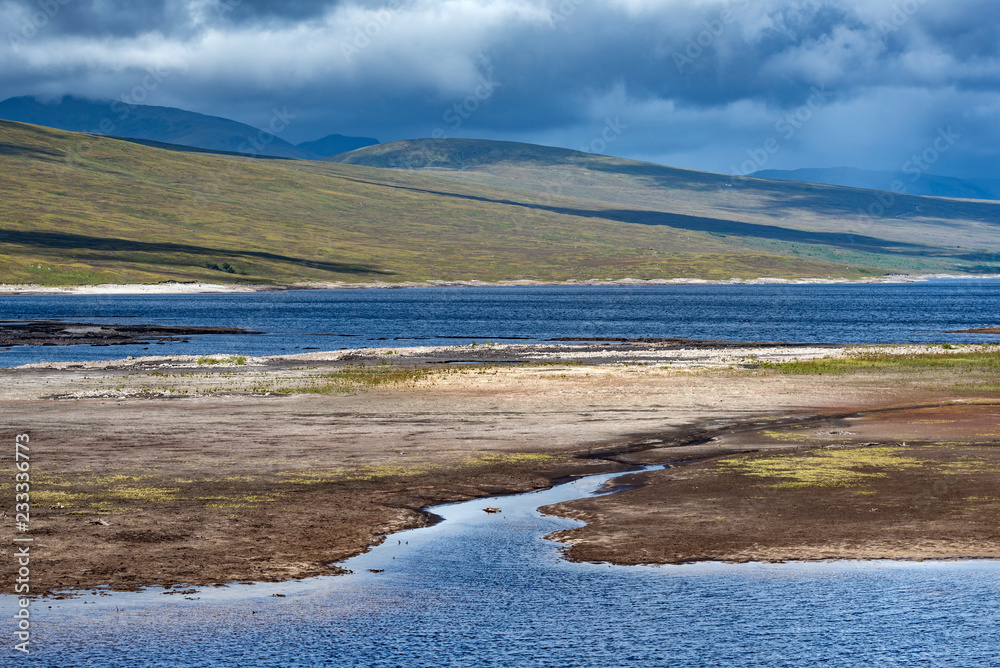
<point x="330" y="319"/>
<point x="486" y="590"/>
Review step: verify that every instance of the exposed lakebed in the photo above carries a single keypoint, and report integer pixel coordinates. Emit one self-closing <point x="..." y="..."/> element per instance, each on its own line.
<point x="485" y="589"/>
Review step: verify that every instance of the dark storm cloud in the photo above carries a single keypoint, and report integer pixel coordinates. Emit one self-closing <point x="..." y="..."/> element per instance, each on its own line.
<point x="97" y="18"/>
<point x="698" y="82"/>
<point x="250" y="11"/>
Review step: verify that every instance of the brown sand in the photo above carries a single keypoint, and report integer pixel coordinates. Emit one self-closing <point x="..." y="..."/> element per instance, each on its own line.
<point x="204" y="474"/>
<point x="922" y="484"/>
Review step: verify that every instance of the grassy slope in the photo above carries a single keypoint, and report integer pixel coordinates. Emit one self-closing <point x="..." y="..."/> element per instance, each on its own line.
<point x="81" y="209"/>
<point x="961" y="230"/>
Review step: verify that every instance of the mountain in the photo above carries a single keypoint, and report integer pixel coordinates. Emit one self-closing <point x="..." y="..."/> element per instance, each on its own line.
<point x="455" y="154"/>
<point x="547" y="175"/>
<point x="912" y="183"/>
<point x="160" y="124"/>
<point x="76" y="208"/>
<point x="334" y="144"/>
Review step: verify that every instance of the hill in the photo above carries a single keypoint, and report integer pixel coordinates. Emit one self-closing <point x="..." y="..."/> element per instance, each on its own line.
<point x="914" y="183"/>
<point x="761" y="213"/>
<point x="457" y="154"/>
<point x="77" y="209"/>
<point x="335" y="144"/>
<point x="160" y="124"/>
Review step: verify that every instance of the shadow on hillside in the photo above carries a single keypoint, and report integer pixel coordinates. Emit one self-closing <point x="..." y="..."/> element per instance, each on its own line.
<point x="179" y="148"/>
<point x="16" y="149"/>
<point x="791" y="195"/>
<point x="68" y="241"/>
<point x="856" y="242"/>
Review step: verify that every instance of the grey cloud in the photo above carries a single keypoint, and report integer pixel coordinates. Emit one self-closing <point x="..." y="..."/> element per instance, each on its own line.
<point x="98" y="19"/>
<point x="700" y="85"/>
<point x="291" y="10"/>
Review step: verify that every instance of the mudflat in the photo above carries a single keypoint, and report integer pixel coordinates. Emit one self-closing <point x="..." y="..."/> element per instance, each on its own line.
<point x="193" y="471"/>
<point x="62" y="333"/>
<point x="909" y="483"/>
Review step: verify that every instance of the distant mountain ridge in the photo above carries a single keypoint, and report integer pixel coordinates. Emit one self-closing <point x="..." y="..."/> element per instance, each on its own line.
<point x="929" y="185"/>
<point x="454" y="154"/>
<point x="335" y="144"/>
<point x="161" y="124"/>
<point x="170" y="126"/>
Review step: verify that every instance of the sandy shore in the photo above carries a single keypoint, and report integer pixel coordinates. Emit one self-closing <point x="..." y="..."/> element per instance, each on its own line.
<point x="167" y="471"/>
<point x="170" y="288"/>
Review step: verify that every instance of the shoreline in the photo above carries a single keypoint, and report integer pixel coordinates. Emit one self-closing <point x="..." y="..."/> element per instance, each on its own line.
<point x="915" y="483"/>
<point x="680" y="354"/>
<point x="169" y="288"/>
<point x="163" y="471"/>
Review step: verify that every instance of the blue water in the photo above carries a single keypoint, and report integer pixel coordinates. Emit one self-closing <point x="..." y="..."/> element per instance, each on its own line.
<point x="487" y="590"/>
<point x="333" y="319"/>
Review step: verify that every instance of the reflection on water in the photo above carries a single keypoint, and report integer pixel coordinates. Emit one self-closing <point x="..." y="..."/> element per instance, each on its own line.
<point x="485" y="590"/>
<point x="333" y="319"/>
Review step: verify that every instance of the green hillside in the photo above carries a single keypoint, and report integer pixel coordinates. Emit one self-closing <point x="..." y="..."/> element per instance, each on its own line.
<point x="924" y="226"/>
<point x="77" y="208"/>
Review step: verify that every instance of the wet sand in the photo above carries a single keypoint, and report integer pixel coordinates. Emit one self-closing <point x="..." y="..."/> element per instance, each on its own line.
<point x="911" y="483"/>
<point x="166" y="471"/>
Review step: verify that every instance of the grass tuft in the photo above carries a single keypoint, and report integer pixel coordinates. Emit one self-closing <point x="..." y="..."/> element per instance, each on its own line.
<point x="847" y="467"/>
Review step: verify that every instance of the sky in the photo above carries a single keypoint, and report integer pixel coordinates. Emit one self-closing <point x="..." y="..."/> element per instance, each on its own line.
<point x="729" y="86"/>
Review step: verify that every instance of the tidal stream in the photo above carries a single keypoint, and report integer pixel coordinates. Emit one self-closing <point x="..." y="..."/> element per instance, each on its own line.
<point x="481" y="589"/>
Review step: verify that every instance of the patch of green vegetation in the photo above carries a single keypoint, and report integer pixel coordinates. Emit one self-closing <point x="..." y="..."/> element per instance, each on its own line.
<point x="969" y="465"/>
<point x="842" y="467"/>
<point x="238" y="360"/>
<point x="509" y="458"/>
<point x="103" y="494"/>
<point x="360" y="378"/>
<point x="881" y="361"/>
<point x="785" y="435"/>
<point x="151" y="493"/>
<point x="51" y="497"/>
<point x="978" y="387"/>
<point x="112" y="479"/>
<point x="85" y="209"/>
<point x="238" y="500"/>
<point x="315" y="476"/>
